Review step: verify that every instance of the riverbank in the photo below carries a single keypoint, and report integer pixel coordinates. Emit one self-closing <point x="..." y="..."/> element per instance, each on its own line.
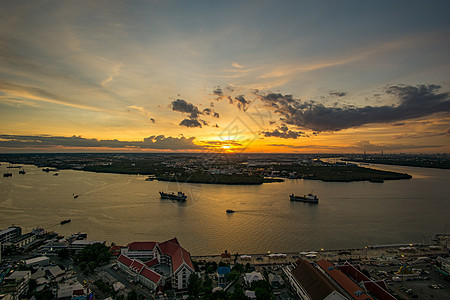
<point x="374" y="255"/>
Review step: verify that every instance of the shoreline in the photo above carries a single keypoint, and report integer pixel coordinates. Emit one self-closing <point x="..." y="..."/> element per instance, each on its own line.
<point x="374" y="176"/>
<point x="373" y="253"/>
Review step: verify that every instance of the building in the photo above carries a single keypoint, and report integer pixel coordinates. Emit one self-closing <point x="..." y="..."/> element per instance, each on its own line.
<point x="276" y="281"/>
<point x="443" y="266"/>
<point x="72" y="290"/>
<point x="79" y="245"/>
<point x="23" y="240"/>
<point x="16" y="284"/>
<point x="346" y="285"/>
<point x="378" y="288"/>
<point x="309" y="283"/>
<point x="221" y="275"/>
<point x="153" y="263"/>
<point x="38" y="261"/>
<point x="9" y="234"/>
<point x="249" y="278"/>
<point x="55" y="273"/>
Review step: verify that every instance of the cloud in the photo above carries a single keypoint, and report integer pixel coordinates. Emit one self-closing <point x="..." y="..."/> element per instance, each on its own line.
<point x="142" y="110"/>
<point x="338" y="94"/>
<point x="283" y="132"/>
<point x="185" y="107"/>
<point x="357" y="147"/>
<point x="241" y="102"/>
<point x="114" y="73"/>
<point x="414" y="102"/>
<point x="43" y="141"/>
<point x="237" y="65"/>
<point x="40" y="94"/>
<point x="190" y="123"/>
<point x="422" y="135"/>
<point x="193" y="111"/>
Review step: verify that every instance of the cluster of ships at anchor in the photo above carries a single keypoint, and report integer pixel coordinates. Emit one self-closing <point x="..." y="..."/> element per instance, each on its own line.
<point x="180" y="196"/>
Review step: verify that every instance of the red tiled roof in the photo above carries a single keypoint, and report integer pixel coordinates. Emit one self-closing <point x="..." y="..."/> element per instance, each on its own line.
<point x="151" y="263"/>
<point x="149" y="274"/>
<point x="312" y="280"/>
<point x="141" y="245"/>
<point x="125" y="260"/>
<point x="177" y="253"/>
<point x="137" y="266"/>
<point x="346" y="283"/>
<point x="171" y="247"/>
<point x="377" y="289"/>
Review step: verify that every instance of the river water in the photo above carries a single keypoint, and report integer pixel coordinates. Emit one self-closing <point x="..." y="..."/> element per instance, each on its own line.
<point x="126" y="208"/>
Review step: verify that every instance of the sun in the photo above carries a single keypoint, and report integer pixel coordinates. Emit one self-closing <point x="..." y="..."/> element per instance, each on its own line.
<point x="226" y="147"/>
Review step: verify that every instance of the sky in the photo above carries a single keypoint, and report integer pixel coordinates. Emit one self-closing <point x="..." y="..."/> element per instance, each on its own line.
<point x="227" y="76"/>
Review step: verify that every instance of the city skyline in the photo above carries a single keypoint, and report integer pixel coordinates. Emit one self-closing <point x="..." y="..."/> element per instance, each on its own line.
<point x="258" y="76"/>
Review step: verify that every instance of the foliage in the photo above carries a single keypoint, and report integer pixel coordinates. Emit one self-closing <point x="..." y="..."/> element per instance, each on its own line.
<point x="263" y="290"/>
<point x="194" y="284"/>
<point x="238" y="293"/>
<point x="103" y="286"/>
<point x="92" y="256"/>
<point x="232" y="275"/>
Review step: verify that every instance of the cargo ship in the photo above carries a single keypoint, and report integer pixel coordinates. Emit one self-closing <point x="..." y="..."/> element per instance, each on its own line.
<point x="310" y="198"/>
<point x="179" y="196"/>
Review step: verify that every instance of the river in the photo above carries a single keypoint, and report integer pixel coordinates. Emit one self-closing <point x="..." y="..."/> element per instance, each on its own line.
<point x="126" y="208"/>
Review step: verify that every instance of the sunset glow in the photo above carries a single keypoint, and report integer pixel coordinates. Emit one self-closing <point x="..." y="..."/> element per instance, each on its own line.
<point x="174" y="76"/>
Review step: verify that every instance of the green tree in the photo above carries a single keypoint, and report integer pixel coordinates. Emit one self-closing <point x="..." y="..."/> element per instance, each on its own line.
<point x="194" y="284"/>
<point x="238" y="293"/>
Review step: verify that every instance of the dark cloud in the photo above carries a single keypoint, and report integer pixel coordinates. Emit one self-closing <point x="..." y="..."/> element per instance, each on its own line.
<point x="207" y="111"/>
<point x="190" y="123"/>
<point x="185" y="107"/>
<point x="283" y="132"/>
<point x="241" y="102"/>
<point x="421" y="135"/>
<point x="359" y="146"/>
<point x="414" y="102"/>
<point x="40" y="141"/>
<point x="338" y="94"/>
<point x="193" y="113"/>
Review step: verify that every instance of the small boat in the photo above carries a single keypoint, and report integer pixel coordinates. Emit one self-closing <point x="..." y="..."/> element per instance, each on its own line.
<point x="75" y="196"/>
<point x="150" y="178"/>
<point x="180" y="196"/>
<point x="65" y="221"/>
<point x="55" y="174"/>
<point x="22" y="171"/>
<point x="230" y="211"/>
<point x="310" y="198"/>
<point x="7" y="174"/>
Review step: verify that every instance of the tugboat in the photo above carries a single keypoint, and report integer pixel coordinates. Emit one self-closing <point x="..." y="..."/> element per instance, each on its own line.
<point x="230" y="211"/>
<point x="65" y="221"/>
<point x="310" y="198"/>
<point x="179" y="197"/>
